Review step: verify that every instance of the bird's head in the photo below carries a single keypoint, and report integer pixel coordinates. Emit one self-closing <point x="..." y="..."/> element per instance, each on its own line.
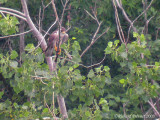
<point x="63" y="30"/>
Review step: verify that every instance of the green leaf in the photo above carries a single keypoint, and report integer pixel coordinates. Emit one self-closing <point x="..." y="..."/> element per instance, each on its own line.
<point x="14" y="54"/>
<point x="15" y="105"/>
<point x="76" y="65"/>
<point x="26" y="113"/>
<point x="135" y="35"/>
<point x="73" y="38"/>
<point x="90" y="74"/>
<point x="1" y="94"/>
<point x="13" y="64"/>
<point x="29" y="47"/>
<point x="139" y="90"/>
<point x="24" y="107"/>
<point x="142" y="37"/>
<point x="108" y="80"/>
<point x="2" y="1"/>
<point x="76" y="45"/>
<point x="122" y="81"/>
<point x="110" y="44"/>
<point x="45" y="110"/>
<point x="108" y="50"/>
<point x="71" y="69"/>
<point x="103" y="101"/>
<point x="87" y="113"/>
<point x="106" y="68"/>
<point x="116" y="42"/>
<point x="123" y="54"/>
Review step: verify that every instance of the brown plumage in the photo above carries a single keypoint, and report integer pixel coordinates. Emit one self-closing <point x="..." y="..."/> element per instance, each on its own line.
<point x="54" y="42"/>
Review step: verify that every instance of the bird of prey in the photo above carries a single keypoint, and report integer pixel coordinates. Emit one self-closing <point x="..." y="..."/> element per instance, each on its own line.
<point x="54" y="41"/>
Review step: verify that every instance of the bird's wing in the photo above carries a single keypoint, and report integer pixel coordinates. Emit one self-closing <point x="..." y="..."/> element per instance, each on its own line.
<point x="51" y="44"/>
<point x="65" y="38"/>
<point x="51" y="40"/>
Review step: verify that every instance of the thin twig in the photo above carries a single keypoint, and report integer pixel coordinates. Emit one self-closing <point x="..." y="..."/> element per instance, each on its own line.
<point x="119" y="28"/>
<point x="146" y="26"/>
<point x="47" y="105"/>
<point x="90" y="14"/>
<point x="84" y="65"/>
<point x="94" y="40"/>
<point x="151" y="108"/>
<point x="50" y="28"/>
<point x="64" y="8"/>
<point x="124" y="110"/>
<point x="152" y="105"/>
<point x="138" y="18"/>
<point x="39" y="22"/>
<point x="15" y="34"/>
<point x="3" y="15"/>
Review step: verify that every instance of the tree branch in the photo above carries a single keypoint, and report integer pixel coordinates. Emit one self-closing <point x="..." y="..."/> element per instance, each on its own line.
<point x="153" y="107"/>
<point x="15" y="34"/>
<point x="12" y="10"/>
<point x="38" y="35"/>
<point x="64" y="8"/>
<point x="7" y="12"/>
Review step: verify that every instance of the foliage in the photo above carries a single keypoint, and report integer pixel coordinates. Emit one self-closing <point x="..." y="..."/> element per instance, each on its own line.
<point x="128" y="78"/>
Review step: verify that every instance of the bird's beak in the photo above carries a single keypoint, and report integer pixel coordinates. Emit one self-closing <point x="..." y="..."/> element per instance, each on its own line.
<point x="63" y="32"/>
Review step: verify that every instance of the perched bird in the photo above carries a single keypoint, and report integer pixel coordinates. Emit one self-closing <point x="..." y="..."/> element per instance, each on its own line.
<point x="55" y="43"/>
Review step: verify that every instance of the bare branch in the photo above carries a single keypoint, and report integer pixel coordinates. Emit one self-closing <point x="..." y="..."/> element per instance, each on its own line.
<point x="39" y="22"/>
<point x="157" y="33"/>
<point x="48" y="106"/>
<point x="94" y="40"/>
<point x="55" y="10"/>
<point x="64" y="8"/>
<point x="62" y="3"/>
<point x="84" y="65"/>
<point x="90" y="15"/>
<point x="138" y="18"/>
<point x="12" y="10"/>
<point x="15" y="34"/>
<point x="50" y="28"/>
<point x="38" y="35"/>
<point x="146" y="26"/>
<point x="61" y="102"/>
<point x="143" y="11"/>
<point x="125" y="15"/>
<point x="119" y="28"/>
<point x="124" y="110"/>
<point x="7" y="12"/>
<point x="153" y="107"/>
